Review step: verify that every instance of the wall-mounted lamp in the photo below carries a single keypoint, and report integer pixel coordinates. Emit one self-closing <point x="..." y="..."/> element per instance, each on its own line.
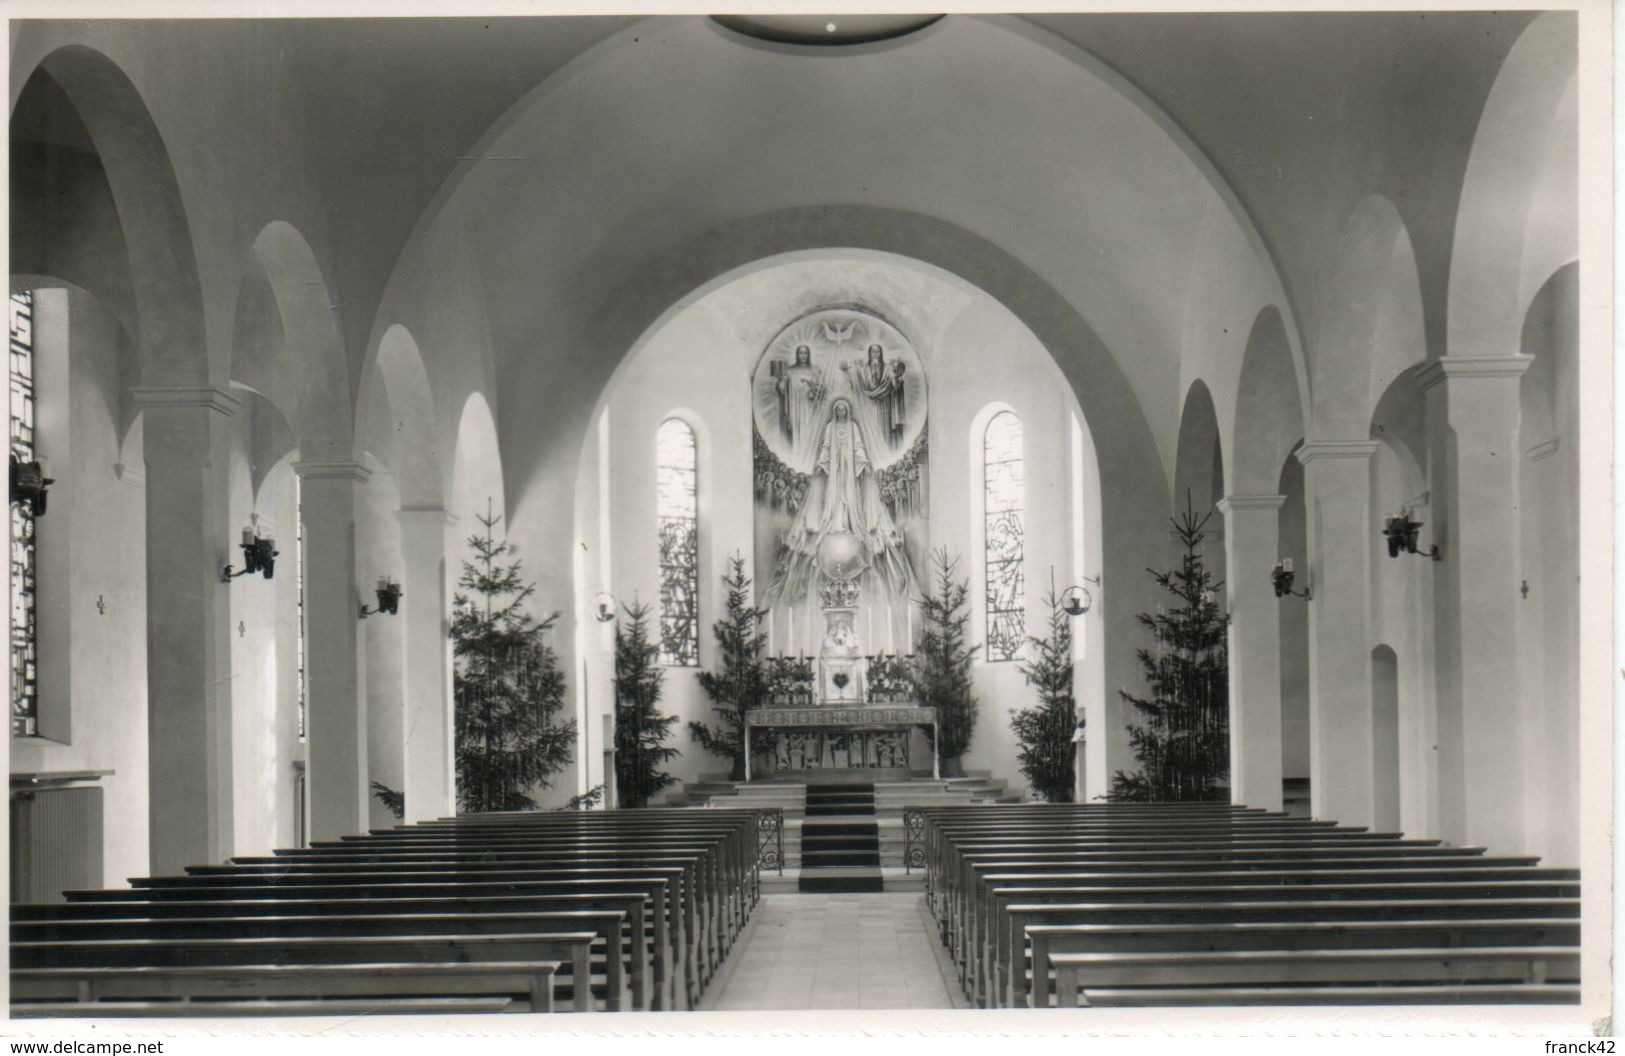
<point x="259" y="555"/>
<point x="1282" y="578"/>
<point x="1400" y="531"/>
<point x="29" y="484"/>
<point x="389" y="598"/>
<point x="1075" y="601"/>
<point x="603" y="607"/>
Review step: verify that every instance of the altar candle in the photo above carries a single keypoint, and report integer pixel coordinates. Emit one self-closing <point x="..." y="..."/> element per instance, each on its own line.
<point x="908" y="610"/>
<point x="869" y="627"/>
<point x="791" y="644"/>
<point x="891" y="631"/>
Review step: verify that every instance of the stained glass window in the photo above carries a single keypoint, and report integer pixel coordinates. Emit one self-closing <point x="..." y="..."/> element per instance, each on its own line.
<point x="677" y="507"/>
<point x="1002" y="537"/>
<point x="24" y="631"/>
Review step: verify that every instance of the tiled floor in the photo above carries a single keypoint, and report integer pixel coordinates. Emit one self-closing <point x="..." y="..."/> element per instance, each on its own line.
<point x="868" y="951"/>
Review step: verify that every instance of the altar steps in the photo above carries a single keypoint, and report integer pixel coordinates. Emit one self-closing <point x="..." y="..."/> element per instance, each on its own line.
<point x="838" y="853"/>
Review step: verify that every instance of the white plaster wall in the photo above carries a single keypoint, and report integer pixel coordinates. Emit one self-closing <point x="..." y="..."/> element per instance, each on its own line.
<point x="78" y="343"/>
<point x="378" y="553"/>
<point x="1294" y="628"/>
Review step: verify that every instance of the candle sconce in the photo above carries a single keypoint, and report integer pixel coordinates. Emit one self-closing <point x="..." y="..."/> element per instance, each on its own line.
<point x="1400" y="531"/>
<point x="389" y="598"/>
<point x="259" y="555"/>
<point x="1282" y="578"/>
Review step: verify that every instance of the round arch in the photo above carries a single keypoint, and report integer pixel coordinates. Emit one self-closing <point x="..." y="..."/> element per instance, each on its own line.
<point x="1511" y="233"/>
<point x="163" y="262"/>
<point x="414" y="419"/>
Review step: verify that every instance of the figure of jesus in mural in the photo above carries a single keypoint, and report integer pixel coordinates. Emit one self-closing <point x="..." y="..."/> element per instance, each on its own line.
<point x="885" y="387"/>
<point x="806" y="396"/>
<point x="843" y="496"/>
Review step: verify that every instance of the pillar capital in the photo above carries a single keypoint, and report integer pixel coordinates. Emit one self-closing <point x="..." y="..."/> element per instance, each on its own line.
<point x="1349" y="449"/>
<point x="207" y="396"/>
<point x="1249" y="502"/>
<point x="1473" y="367"/>
<point x="353" y="471"/>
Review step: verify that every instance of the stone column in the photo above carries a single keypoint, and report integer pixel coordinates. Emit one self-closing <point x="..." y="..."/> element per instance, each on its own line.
<point x="430" y="777"/>
<point x="1337" y="491"/>
<point x="1474" y="404"/>
<point x="335" y="697"/>
<point x="186" y="441"/>
<point x="1252" y="543"/>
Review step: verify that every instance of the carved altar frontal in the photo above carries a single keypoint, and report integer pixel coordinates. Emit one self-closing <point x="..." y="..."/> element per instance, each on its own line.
<point x="835" y="737"/>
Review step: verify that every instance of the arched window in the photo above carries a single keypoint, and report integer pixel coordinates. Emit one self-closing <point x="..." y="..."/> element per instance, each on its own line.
<point x="1003" y="549"/>
<point x="677" y="508"/>
<point x="24" y="636"/>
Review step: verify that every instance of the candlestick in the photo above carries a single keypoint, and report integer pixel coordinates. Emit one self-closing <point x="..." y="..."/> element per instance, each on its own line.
<point x="869" y="627"/>
<point x="1286" y="564"/>
<point x="792" y="643"/>
<point x="248" y="537"/>
<point x="770" y="632"/>
<point x="891" y="630"/>
<point x="908" y="610"/>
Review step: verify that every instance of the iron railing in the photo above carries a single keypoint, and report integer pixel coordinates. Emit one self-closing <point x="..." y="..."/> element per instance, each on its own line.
<point x="770" y="838"/>
<point x="913" y="839"/>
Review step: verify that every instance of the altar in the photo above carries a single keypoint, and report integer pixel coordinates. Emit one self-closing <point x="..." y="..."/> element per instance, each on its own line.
<point x="860" y="724"/>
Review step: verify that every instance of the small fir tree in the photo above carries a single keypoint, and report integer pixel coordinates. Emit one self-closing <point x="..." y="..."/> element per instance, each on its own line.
<point x="1044" y="732"/>
<point x="640" y="730"/>
<point x="1184" y="743"/>
<point x="742" y="683"/>
<point x="508" y="687"/>
<point x="942" y="659"/>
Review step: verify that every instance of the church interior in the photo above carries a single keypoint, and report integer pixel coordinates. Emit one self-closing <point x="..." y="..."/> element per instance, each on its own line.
<point x="964" y="401"/>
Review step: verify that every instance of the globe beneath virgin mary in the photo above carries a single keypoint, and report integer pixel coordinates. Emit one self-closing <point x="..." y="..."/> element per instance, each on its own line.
<point x="840" y="556"/>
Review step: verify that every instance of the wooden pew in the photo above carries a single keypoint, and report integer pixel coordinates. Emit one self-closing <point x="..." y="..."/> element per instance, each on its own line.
<point x="75" y="935"/>
<point x="531" y="980"/>
<point x="573" y="948"/>
<point x="1426" y="994"/>
<point x="664" y="949"/>
<point x="399" y="1006"/>
<point x="1285" y="969"/>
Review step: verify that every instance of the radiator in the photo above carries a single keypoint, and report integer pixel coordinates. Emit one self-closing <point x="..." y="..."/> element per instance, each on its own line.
<point x="56" y="842"/>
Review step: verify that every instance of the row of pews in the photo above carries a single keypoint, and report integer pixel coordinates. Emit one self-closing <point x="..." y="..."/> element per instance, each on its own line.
<point x="624" y="910"/>
<point x="1209" y="904"/>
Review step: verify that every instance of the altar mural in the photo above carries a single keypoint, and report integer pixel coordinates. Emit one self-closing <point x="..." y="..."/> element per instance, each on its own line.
<point x="840" y="459"/>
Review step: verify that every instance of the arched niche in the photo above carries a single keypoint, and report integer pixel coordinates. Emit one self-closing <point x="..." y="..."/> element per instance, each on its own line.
<point x="1385" y="737"/>
<point x="1199" y="472"/>
<point x="476" y="483"/>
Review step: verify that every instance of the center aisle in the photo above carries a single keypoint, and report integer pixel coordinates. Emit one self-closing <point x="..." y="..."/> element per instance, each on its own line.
<point x="835" y="951"/>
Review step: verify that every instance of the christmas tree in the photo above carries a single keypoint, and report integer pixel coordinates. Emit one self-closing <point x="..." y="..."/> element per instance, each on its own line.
<point x="741" y="684"/>
<point x="1044" y="732"/>
<point x="942" y="659"/>
<point x="508" y="687"/>
<point x="640" y="729"/>
<point x="1183" y="744"/>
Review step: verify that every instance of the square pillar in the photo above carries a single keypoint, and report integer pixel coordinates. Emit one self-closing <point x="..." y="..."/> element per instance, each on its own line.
<point x="1252" y="542"/>
<point x="1337" y="492"/>
<point x="335" y="697"/>
<point x="186" y="442"/>
<point x="1474" y="409"/>
<point x="431" y="790"/>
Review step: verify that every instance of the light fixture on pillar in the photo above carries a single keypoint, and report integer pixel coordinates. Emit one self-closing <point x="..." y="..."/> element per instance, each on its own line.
<point x="1400" y="531"/>
<point x="1282" y="578"/>
<point x="259" y="555"/>
<point x="29" y="484"/>
<point x="389" y="598"/>
<point x="1075" y="601"/>
<point x="603" y="607"/>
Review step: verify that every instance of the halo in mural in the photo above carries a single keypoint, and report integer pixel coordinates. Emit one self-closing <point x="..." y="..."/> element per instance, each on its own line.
<point x="826" y="357"/>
